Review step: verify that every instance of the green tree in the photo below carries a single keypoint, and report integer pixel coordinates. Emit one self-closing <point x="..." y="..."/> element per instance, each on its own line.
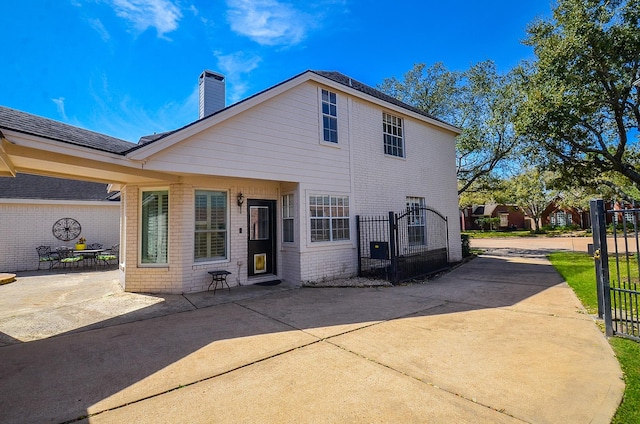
<point x="581" y="102"/>
<point x="488" y="221"/>
<point x="530" y="190"/>
<point x="480" y="101"/>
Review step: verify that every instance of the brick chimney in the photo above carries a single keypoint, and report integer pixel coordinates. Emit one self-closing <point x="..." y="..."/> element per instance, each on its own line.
<point x="212" y="97"/>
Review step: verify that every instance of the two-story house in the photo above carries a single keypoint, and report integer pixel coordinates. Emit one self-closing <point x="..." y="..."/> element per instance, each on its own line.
<point x="267" y="188"/>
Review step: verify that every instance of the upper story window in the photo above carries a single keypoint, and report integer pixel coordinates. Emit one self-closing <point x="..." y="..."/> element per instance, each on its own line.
<point x="329" y="218"/>
<point x="329" y="116"/>
<point x="154" y="227"/>
<point x="393" y="135"/>
<point x="210" y="240"/>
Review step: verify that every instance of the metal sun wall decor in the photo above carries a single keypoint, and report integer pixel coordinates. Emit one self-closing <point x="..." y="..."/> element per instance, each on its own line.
<point x="66" y="229"/>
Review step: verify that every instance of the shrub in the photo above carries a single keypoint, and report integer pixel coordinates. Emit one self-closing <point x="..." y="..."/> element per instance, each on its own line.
<point x="466" y="248"/>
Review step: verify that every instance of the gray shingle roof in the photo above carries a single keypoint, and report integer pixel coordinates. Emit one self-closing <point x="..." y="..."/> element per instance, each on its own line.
<point x="26" y="186"/>
<point x="153" y="137"/>
<point x="26" y="123"/>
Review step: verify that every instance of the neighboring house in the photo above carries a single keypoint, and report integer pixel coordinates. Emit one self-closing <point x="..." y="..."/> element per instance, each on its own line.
<point x="558" y="216"/>
<point x="267" y="188"/>
<point x="30" y="205"/>
<point x="510" y="216"/>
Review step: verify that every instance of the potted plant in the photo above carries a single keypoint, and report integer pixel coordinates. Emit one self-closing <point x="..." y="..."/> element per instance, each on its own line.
<point x="81" y="244"/>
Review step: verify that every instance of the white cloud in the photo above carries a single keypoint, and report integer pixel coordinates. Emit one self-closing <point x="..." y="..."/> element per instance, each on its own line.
<point x="233" y="66"/>
<point x="268" y="22"/>
<point x="97" y="25"/>
<point x="163" y="15"/>
<point x="60" y="106"/>
<point x="129" y="119"/>
<point x="236" y="63"/>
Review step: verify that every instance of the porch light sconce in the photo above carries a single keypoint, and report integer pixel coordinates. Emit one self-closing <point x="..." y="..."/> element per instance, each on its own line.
<point x="240" y="199"/>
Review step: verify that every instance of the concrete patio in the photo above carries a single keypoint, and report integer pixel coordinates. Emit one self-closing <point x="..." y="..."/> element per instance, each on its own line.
<point x="501" y="339"/>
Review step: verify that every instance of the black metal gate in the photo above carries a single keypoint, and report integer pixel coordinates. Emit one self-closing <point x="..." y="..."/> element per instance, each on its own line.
<point x="402" y="246"/>
<point x="617" y="265"/>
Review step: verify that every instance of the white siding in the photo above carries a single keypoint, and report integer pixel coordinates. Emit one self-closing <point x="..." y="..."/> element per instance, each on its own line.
<point x="276" y="140"/>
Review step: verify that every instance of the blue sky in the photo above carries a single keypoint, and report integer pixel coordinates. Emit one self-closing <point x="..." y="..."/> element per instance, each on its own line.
<point x="129" y="68"/>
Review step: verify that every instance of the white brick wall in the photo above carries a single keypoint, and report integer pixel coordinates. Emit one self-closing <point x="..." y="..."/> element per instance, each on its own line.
<point x="382" y="183"/>
<point x="182" y="274"/>
<point x="324" y="264"/>
<point x="26" y="225"/>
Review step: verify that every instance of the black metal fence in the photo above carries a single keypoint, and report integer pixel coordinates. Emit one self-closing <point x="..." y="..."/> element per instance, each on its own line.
<point x="617" y="265"/>
<point x="404" y="246"/>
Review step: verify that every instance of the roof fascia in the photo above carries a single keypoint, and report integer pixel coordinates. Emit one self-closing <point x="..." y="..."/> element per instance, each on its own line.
<point x="21" y="201"/>
<point x="124" y="168"/>
<point x="16" y="138"/>
<point x="198" y="126"/>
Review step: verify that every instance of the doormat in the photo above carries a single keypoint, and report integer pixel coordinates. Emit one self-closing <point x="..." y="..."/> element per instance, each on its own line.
<point x="269" y="283"/>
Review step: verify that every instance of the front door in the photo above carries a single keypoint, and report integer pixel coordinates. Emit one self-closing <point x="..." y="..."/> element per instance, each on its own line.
<point x="262" y="237"/>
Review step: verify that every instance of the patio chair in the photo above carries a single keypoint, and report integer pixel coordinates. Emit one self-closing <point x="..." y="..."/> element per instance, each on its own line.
<point x="110" y="256"/>
<point x="68" y="257"/>
<point x="91" y="257"/>
<point x="46" y="256"/>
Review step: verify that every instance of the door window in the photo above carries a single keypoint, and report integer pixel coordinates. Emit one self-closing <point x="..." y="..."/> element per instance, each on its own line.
<point x="259" y="223"/>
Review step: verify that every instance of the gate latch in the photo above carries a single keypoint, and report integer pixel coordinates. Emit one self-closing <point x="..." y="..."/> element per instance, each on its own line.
<point x="596" y="254"/>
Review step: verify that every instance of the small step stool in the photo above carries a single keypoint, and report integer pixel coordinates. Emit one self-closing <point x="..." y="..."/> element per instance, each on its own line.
<point x="219" y="276"/>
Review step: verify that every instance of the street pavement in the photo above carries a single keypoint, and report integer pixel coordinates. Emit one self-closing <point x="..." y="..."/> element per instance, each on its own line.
<point x="500" y="339"/>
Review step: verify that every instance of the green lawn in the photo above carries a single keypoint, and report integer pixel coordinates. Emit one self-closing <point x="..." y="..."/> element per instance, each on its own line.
<point x="578" y="271"/>
<point x="526" y="233"/>
<point x="498" y="234"/>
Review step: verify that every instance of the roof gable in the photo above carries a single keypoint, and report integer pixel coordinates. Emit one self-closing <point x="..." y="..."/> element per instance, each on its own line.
<point x="150" y="145"/>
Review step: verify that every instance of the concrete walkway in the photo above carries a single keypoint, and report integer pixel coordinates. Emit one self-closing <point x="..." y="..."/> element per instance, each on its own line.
<point x="499" y="339"/>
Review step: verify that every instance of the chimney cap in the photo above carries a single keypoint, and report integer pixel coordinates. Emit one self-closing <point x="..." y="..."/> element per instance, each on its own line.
<point x="210" y="74"/>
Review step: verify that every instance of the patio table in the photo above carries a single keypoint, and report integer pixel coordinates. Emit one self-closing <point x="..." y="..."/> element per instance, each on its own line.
<point x="93" y="252"/>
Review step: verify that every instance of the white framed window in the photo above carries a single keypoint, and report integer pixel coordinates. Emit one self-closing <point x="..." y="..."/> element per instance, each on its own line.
<point x="288" y="233"/>
<point x="154" y="227"/>
<point x="416" y="221"/>
<point x="629" y="217"/>
<point x="504" y="219"/>
<point x="211" y="229"/>
<point x="561" y="219"/>
<point x="329" y="116"/>
<point x="329" y="217"/>
<point x="393" y="135"/>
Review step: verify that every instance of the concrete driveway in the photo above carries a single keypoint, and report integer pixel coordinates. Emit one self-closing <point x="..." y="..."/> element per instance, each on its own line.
<point x="501" y="339"/>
